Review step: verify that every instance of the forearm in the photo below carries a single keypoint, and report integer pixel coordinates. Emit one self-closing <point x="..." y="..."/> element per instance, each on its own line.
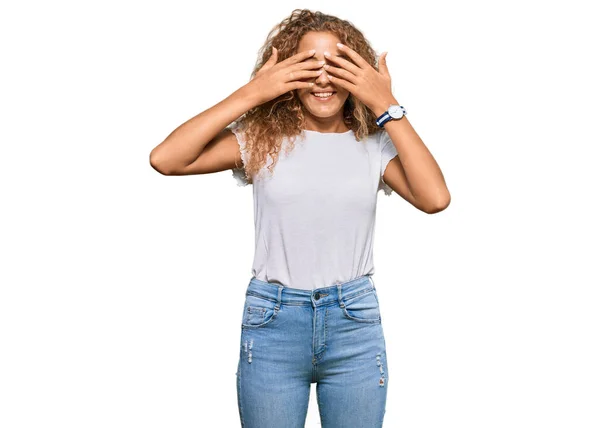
<point x="425" y="179"/>
<point x="187" y="141"/>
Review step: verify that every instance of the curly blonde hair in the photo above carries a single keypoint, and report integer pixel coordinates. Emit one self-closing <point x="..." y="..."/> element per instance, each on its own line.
<point x="264" y="127"/>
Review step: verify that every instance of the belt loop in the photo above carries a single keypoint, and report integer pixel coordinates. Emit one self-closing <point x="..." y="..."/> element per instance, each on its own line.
<point x="372" y="283"/>
<point x="339" y="287"/>
<point x="279" y="290"/>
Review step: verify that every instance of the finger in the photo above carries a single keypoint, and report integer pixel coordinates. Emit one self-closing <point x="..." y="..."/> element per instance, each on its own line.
<point x="270" y="62"/>
<point x="341" y="83"/>
<point x="340" y="72"/>
<point x="299" y="85"/>
<point x="383" y="69"/>
<point x="273" y="57"/>
<point x="354" y="56"/>
<point x="303" y="74"/>
<point x="307" y="64"/>
<point x="344" y="63"/>
<point x="301" y="56"/>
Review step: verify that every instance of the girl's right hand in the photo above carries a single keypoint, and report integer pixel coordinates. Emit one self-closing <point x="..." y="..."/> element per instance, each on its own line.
<point x="274" y="79"/>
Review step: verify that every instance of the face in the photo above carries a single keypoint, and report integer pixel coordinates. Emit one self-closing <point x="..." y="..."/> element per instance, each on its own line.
<point x="317" y="109"/>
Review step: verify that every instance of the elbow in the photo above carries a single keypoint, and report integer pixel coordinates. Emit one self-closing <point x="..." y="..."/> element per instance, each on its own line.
<point x="440" y="204"/>
<point x="157" y="165"/>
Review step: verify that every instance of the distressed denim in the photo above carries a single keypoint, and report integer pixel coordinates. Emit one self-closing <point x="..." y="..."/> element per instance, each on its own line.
<point x="331" y="336"/>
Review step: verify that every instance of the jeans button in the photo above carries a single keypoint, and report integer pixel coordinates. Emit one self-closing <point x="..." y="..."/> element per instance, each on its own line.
<point x="317" y="296"/>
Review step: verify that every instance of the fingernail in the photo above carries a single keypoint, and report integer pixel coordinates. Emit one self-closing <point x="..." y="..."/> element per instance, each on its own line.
<point x="312" y="51"/>
<point x="326" y="53"/>
<point x="339" y="45"/>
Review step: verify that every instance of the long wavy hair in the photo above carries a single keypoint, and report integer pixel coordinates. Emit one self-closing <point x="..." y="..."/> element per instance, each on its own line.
<point x="264" y="127"/>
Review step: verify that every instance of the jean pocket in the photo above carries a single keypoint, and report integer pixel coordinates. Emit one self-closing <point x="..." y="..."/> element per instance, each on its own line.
<point x="258" y="311"/>
<point x="363" y="307"/>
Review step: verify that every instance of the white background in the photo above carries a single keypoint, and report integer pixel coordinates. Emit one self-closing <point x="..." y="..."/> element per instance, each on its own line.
<point x="122" y="289"/>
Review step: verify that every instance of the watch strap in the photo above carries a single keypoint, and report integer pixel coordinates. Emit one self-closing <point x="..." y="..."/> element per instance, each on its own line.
<point x="383" y="119"/>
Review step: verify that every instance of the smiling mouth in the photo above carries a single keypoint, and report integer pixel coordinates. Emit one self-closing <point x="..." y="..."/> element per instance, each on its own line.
<point x="323" y="95"/>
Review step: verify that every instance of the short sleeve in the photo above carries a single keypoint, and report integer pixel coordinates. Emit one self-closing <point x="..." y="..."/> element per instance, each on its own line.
<point x="388" y="152"/>
<point x="239" y="174"/>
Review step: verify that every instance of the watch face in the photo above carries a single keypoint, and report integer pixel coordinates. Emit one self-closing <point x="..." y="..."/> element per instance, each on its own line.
<point x="395" y="111"/>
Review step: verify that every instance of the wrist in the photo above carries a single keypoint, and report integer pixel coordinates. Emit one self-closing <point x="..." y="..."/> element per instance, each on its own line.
<point x="382" y="105"/>
<point x="248" y="96"/>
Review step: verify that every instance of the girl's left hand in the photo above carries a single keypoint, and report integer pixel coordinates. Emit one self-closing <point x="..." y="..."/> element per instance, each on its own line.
<point x="373" y="88"/>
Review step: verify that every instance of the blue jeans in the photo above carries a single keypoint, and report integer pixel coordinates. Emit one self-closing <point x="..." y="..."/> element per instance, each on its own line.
<point x="331" y="336"/>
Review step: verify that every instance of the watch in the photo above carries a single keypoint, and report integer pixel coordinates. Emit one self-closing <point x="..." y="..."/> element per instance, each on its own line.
<point x="394" y="111"/>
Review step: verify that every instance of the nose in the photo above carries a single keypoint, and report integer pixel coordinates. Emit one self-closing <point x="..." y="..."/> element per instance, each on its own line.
<point x="322" y="78"/>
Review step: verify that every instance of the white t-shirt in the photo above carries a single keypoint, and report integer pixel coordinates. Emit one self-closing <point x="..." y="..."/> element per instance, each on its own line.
<point x="314" y="217"/>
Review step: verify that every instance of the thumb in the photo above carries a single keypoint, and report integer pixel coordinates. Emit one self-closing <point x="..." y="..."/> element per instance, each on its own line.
<point x="273" y="57"/>
<point x="383" y="69"/>
<point x="269" y="63"/>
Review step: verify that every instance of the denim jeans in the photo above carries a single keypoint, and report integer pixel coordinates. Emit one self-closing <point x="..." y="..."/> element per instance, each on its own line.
<point x="331" y="336"/>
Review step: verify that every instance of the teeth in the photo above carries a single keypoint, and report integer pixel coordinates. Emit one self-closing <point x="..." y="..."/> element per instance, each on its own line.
<point x="323" y="94"/>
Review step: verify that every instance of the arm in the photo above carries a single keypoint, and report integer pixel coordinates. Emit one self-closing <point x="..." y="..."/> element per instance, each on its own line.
<point x="202" y="144"/>
<point x="413" y="174"/>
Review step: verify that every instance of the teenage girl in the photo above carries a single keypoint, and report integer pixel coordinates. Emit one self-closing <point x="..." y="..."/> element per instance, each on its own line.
<point x="317" y="132"/>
